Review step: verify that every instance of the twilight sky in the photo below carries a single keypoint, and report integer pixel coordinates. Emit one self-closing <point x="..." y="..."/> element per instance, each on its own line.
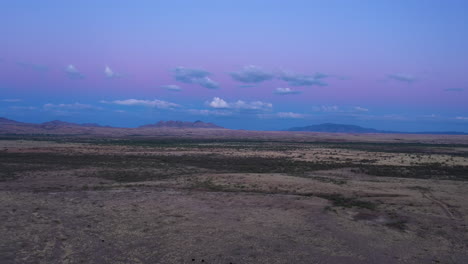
<point x="244" y="64"/>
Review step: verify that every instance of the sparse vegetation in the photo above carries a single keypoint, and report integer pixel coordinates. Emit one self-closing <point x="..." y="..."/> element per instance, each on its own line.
<point x="348" y="202"/>
<point x="222" y="189"/>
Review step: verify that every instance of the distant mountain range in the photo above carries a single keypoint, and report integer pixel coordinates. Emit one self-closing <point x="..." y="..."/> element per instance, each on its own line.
<point x="8" y="126"/>
<point x="181" y="124"/>
<point x="341" y="128"/>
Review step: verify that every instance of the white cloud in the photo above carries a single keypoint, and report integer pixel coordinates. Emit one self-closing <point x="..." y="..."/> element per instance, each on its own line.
<point x="251" y="74"/>
<point x="11" y="100"/>
<point x="255" y="105"/>
<point x="289" y="115"/>
<point x="218" y="103"/>
<point x="23" y="108"/>
<point x="205" y="112"/>
<point x="196" y="76"/>
<point x="172" y="87"/>
<point x="240" y="105"/>
<point x="282" y="115"/>
<point x="207" y="83"/>
<point x="148" y="103"/>
<point x="461" y="118"/>
<point x="326" y="108"/>
<point x="285" y="91"/>
<point x="73" y="73"/>
<point x="295" y="79"/>
<point x="360" y="109"/>
<point x="109" y="73"/>
<point x="75" y="106"/>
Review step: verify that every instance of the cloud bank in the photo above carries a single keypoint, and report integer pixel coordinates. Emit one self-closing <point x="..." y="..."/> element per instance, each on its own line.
<point x="160" y="104"/>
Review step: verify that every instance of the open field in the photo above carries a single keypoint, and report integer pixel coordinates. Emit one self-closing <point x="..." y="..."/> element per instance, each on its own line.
<point x="334" y="199"/>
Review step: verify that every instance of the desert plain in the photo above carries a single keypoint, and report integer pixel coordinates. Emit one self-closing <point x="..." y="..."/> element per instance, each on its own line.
<point x="240" y="198"/>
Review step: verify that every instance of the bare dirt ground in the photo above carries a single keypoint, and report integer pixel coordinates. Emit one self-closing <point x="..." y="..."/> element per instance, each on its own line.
<point x="232" y="201"/>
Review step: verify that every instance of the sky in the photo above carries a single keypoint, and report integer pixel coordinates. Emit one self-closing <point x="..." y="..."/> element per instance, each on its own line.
<point x="397" y="65"/>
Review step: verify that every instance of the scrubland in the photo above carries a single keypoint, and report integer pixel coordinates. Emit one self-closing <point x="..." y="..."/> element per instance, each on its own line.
<point x="94" y="200"/>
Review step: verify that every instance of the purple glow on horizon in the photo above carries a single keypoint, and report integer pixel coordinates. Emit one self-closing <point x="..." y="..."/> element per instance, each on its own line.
<point x="411" y="62"/>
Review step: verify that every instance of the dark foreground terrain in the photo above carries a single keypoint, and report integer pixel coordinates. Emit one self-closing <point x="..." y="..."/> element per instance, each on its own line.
<point x="85" y="200"/>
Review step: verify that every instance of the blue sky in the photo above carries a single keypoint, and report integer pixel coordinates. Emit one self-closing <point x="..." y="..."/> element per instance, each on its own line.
<point x="257" y="64"/>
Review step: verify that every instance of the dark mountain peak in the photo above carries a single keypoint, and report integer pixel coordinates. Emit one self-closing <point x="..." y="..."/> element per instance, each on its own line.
<point x="7" y="121"/>
<point x="181" y="124"/>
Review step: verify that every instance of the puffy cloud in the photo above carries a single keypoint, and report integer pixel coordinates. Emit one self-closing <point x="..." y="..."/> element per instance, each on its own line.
<point x="295" y="79"/>
<point x="148" y="103"/>
<point x="251" y="74"/>
<point x="187" y="75"/>
<point x="73" y="73"/>
<point x="454" y="90"/>
<point x="240" y="105"/>
<point x="109" y="73"/>
<point x="172" y="87"/>
<point x="285" y="91"/>
<point x="196" y="76"/>
<point x="462" y="118"/>
<point x="360" y="109"/>
<point x="402" y="78"/>
<point x="218" y="103"/>
<point x="207" y="83"/>
<point x="255" y="105"/>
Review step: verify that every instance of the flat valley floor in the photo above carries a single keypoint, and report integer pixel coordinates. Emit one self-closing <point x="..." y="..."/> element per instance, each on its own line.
<point x="72" y="200"/>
